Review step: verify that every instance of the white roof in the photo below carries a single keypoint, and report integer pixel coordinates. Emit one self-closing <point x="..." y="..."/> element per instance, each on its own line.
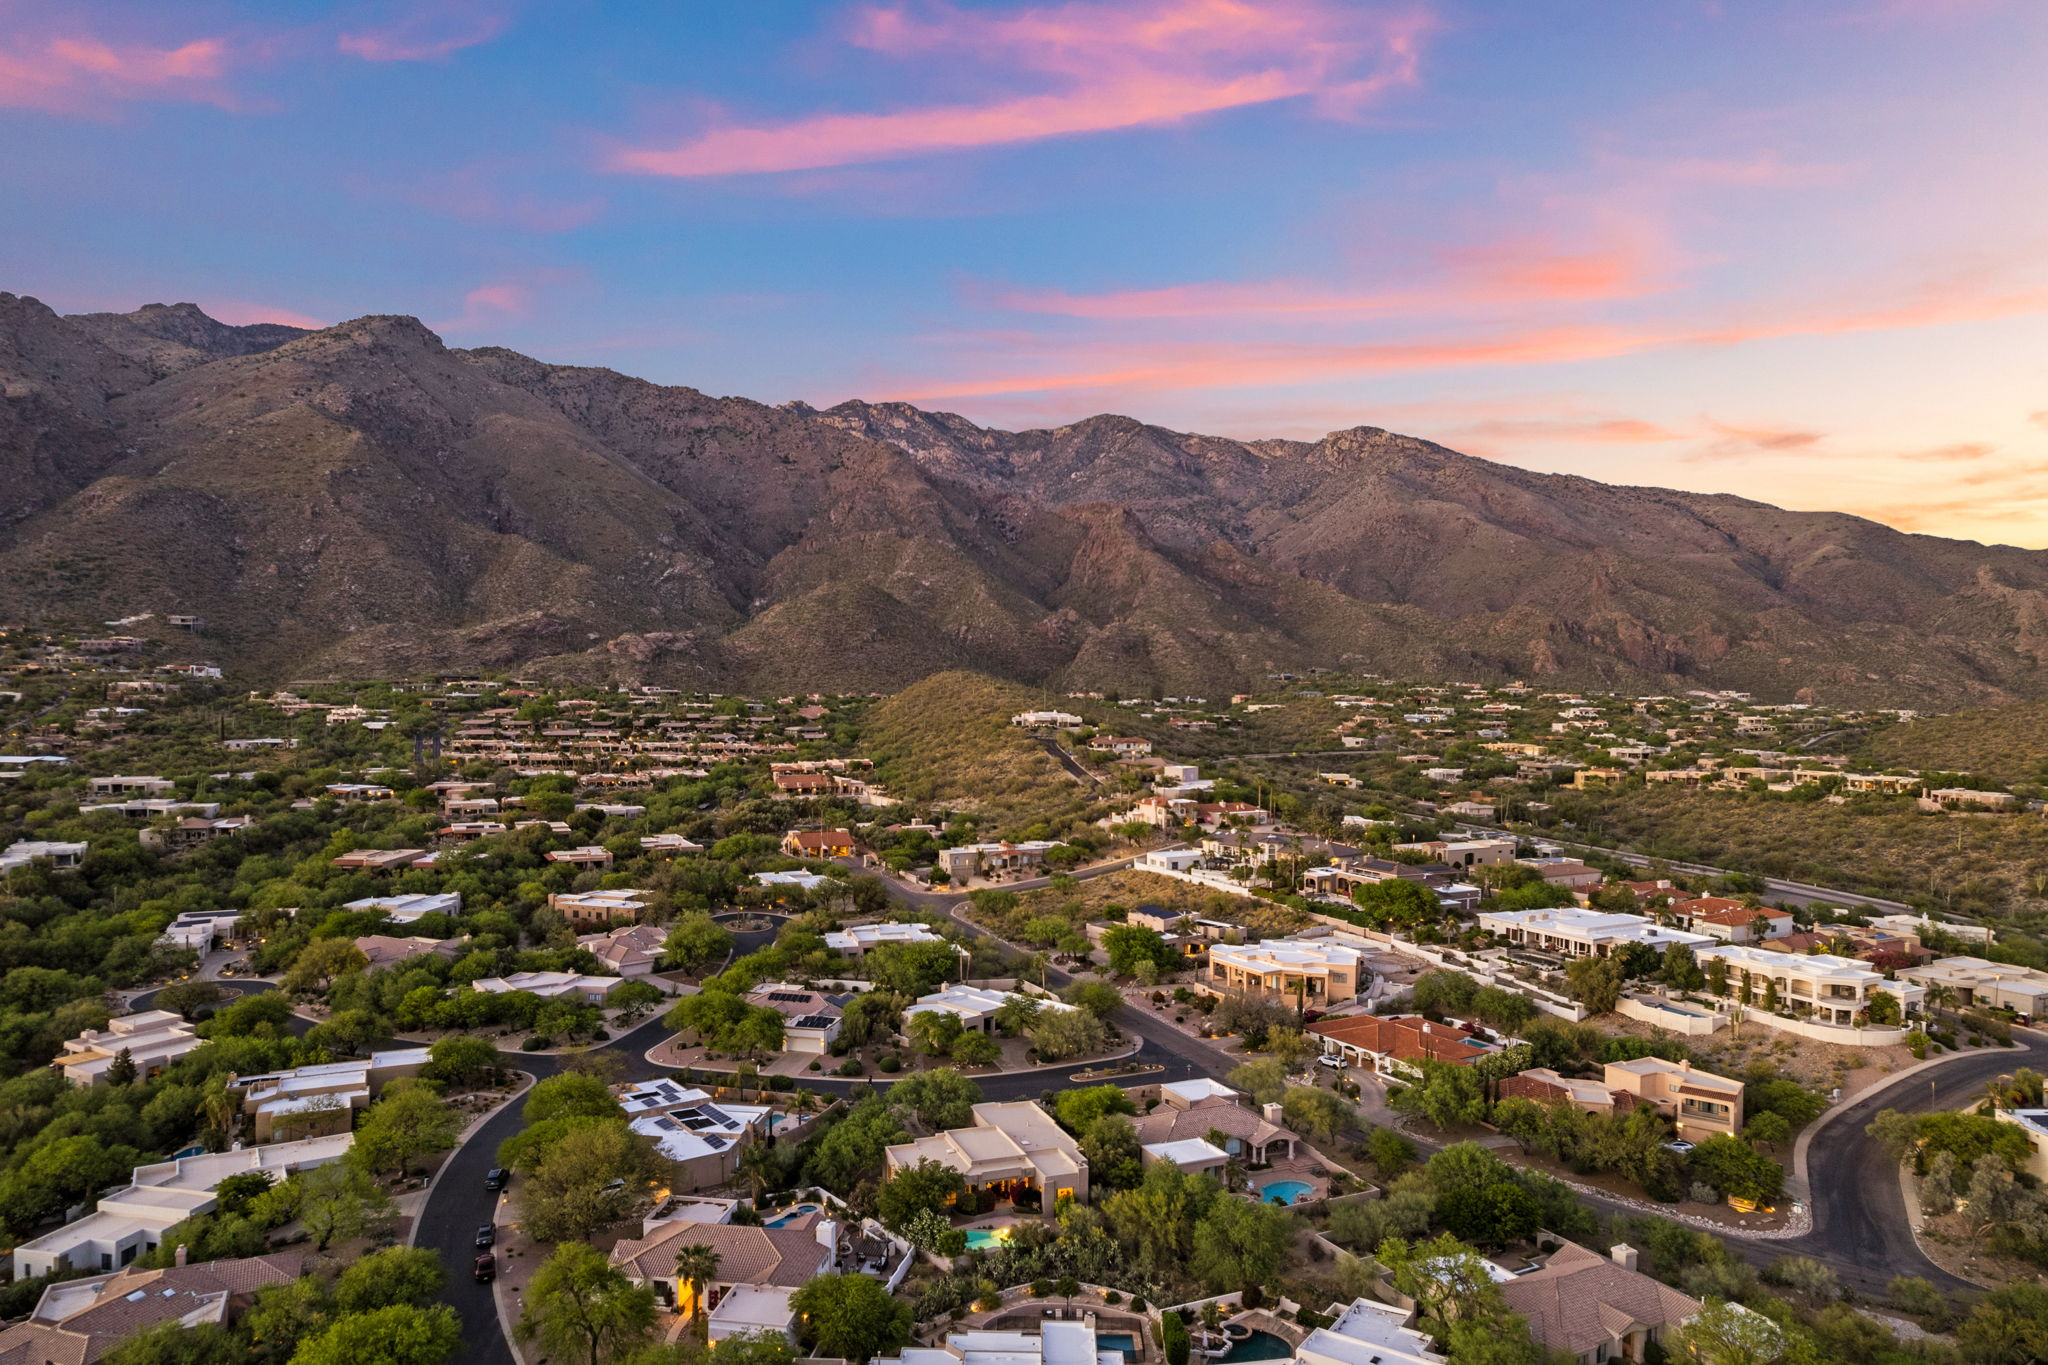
<point x="1367" y="1333"/>
<point x="1595" y="925"/>
<point x="865" y="936"/>
<point x="753" y="1308"/>
<point x="973" y="1002"/>
<point x="1774" y="963"/>
<point x="1187" y="1152"/>
<point x="1286" y="954"/>
<point x="806" y="880"/>
<point x="1198" y="1089"/>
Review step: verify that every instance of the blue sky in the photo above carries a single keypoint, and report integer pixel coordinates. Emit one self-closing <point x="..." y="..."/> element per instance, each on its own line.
<point x="1793" y="251"/>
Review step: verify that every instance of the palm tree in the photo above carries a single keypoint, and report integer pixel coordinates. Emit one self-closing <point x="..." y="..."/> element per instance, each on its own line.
<point x="696" y="1267"/>
<point x="1067" y="1288"/>
<point x="757" y="1166"/>
<point x="1939" y="997"/>
<point x="220" y="1107"/>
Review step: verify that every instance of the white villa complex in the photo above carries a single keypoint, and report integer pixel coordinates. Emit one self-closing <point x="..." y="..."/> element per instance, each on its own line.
<point x="1572" y="932"/>
<point x="1831" y="990"/>
<point x="1317" y="969"/>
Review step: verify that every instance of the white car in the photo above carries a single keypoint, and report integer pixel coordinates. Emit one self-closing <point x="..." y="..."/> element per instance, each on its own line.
<point x="1333" y="1062"/>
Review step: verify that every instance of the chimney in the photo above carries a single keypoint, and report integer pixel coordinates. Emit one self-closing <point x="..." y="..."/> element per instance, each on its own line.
<point x="1271" y="1113"/>
<point x="178" y="1256"/>
<point x="1623" y="1255"/>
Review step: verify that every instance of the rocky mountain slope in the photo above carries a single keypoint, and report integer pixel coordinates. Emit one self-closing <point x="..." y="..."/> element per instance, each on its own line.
<point x="363" y="498"/>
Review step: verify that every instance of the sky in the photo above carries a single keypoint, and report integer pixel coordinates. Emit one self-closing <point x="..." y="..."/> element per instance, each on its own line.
<point x="1795" y="250"/>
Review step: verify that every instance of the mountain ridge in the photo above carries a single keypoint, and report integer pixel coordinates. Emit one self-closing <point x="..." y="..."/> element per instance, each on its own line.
<point x="364" y="497"/>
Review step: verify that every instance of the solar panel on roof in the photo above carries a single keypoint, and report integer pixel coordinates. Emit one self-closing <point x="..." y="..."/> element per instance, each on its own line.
<point x="789" y="997"/>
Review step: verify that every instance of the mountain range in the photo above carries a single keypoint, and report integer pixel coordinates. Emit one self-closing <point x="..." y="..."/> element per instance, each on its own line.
<point x="364" y="500"/>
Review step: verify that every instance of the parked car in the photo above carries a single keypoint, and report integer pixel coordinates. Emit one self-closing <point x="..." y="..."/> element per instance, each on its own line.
<point x="486" y="1268"/>
<point x="1330" y="1060"/>
<point x="486" y="1235"/>
<point x="1681" y="1146"/>
<point x="497" y="1179"/>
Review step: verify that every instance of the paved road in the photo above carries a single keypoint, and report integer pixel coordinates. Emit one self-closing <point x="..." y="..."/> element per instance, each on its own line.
<point x="1069" y="762"/>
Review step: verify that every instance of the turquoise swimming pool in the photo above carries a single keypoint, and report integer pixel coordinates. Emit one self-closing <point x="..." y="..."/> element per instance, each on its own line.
<point x="1118" y="1341"/>
<point x="1258" y="1346"/>
<point x="981" y="1239"/>
<point x="1284" y="1191"/>
<point x="790" y="1215"/>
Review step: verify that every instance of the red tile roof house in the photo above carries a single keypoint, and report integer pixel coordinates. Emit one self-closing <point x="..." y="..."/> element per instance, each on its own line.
<point x="1730" y="920"/>
<point x="1391" y="1045"/>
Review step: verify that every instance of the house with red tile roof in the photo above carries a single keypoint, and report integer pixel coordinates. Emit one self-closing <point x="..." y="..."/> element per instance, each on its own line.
<point x="1392" y="1045"/>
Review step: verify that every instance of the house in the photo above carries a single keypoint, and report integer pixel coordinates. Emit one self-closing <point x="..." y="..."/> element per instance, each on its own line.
<point x="81" y="1321"/>
<point x="633" y="951"/>
<point x="703" y="1137"/>
<point x="1288" y="969"/>
<point x="2034" y="1123"/>
<point x="357" y="793"/>
<point x="759" y="1268"/>
<point x="1012" y="1148"/>
<point x="1191" y="1110"/>
<point x="379" y="859"/>
<point x="1702" y="1104"/>
<point x="1596" y="1308"/>
<point x="149" y="807"/>
<point x="199" y="930"/>
<point x="969" y="860"/>
<point x="318" y="1100"/>
<point x="1368" y="1333"/>
<point x="855" y="940"/>
<point x="1831" y="990"/>
<point x="130" y="786"/>
<point x="1040" y="720"/>
<point x="975" y="1006"/>
<point x="1964" y="798"/>
<point x="583" y="908"/>
<point x="588" y="990"/>
<point x="1923" y="926"/>
<point x="1569" y="873"/>
<point x="1463" y="853"/>
<point x="468" y="831"/>
<point x="589" y="855"/>
<point x="152" y="1039"/>
<point x="802" y="881"/>
<point x="810" y="1019"/>
<point x="1054" y="1343"/>
<point x="1121" y="746"/>
<point x="800" y="784"/>
<point x="1572" y="932"/>
<point x="1731" y="921"/>
<point x="819" y="843"/>
<point x="55" y="855"/>
<point x="411" y="908"/>
<point x="1979" y="984"/>
<point x="192" y="831"/>
<point x="384" y="950"/>
<point x="668" y="845"/>
<point x="132" y="1220"/>
<point x="1393" y="1045"/>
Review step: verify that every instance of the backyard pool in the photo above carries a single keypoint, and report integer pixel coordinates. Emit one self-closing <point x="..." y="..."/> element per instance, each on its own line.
<point x="1118" y="1341"/>
<point x="789" y="1215"/>
<point x="1259" y="1346"/>
<point x="1282" y="1192"/>
<point x="981" y="1239"/>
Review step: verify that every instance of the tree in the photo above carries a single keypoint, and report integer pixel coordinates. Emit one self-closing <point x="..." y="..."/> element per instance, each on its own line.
<point x="173" y="1343"/>
<point x="398" y="1335"/>
<point x="314" y="970"/>
<point x="461" y="1060"/>
<point x="1594" y="982"/>
<point x="851" y="1150"/>
<point x="1397" y="903"/>
<point x="1445" y="1278"/>
<point x="1264" y="1080"/>
<point x="974" y="1048"/>
<point x="914" y="1189"/>
<point x="1723" y="1333"/>
<point x="340" y="1201"/>
<point x="2010" y="1327"/>
<point x="1389" y="1151"/>
<point x="392" y="1275"/>
<point x="933" y="1032"/>
<point x="1239" y="1243"/>
<point x="696" y="941"/>
<point x="579" y="1306"/>
<point x="1099" y="998"/>
<point x="1114" y="1156"/>
<point x="567" y="1095"/>
<point x="696" y="1267"/>
<point x="940" y="1098"/>
<point x="1767" y="1129"/>
<point x="1059" y="1034"/>
<point x="1447" y="1094"/>
<point x="408" y="1120"/>
<point x="910" y="969"/>
<point x="1521" y="1119"/>
<point x="850" y="1316"/>
<point x="1737" y="1170"/>
<point x="595" y="1176"/>
<point x="189" y="997"/>
<point x="870" y="1017"/>
<point x="1502" y="1009"/>
<point x="121" y="1071"/>
<point x="1682" y="968"/>
<point x="1077" y="1109"/>
<point x="1127" y="945"/>
<point x="1316" y="1113"/>
<point x="1490" y="1215"/>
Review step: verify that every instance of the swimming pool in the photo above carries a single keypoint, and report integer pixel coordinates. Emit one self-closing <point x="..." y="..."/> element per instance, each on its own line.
<point x="1118" y="1341"/>
<point x="1284" y="1192"/>
<point x="790" y="1215"/>
<point x="1259" y="1346"/>
<point x="981" y="1239"/>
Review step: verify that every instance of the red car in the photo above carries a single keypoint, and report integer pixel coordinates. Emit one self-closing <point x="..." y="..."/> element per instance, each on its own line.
<point x="486" y="1268"/>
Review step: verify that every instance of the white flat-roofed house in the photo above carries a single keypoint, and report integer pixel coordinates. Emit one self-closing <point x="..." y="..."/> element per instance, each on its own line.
<point x="1832" y="990"/>
<point x="1011" y="1147"/>
<point x="56" y="855"/>
<point x="1039" y="720"/>
<point x="314" y="1101"/>
<point x="1309" y="969"/>
<point x="200" y="930"/>
<point x="1189" y="1154"/>
<point x="130" y="786"/>
<point x="589" y="990"/>
<point x="1920" y="926"/>
<point x="975" y="1006"/>
<point x="585" y="908"/>
<point x="1979" y="983"/>
<point x="855" y="940"/>
<point x="407" y="909"/>
<point x="1054" y="1343"/>
<point x="1573" y="932"/>
<point x="1368" y="1333"/>
<point x="152" y="1039"/>
<point x="668" y="845"/>
<point x="133" y="1219"/>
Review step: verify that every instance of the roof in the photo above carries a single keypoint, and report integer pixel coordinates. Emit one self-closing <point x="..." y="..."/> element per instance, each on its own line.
<point x="78" y="1321"/>
<point x="1580" y="1300"/>
<point x="1405" y="1037"/>
<point x="784" y="1257"/>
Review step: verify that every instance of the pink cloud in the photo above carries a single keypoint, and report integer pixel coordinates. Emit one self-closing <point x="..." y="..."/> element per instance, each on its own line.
<point x="75" y="73"/>
<point x="1960" y="451"/>
<point x="427" y="33"/>
<point x="1109" y="66"/>
<point x="505" y="300"/>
